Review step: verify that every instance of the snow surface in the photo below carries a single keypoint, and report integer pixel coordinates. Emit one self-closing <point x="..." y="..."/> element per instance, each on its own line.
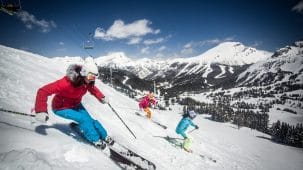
<point x="26" y="144"/>
<point x="233" y="53"/>
<point x="222" y="72"/>
<point x="207" y="71"/>
<point x="290" y="60"/>
<point x="231" y="70"/>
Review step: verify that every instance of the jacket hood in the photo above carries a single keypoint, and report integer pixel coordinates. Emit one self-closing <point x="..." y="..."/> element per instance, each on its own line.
<point x="73" y="72"/>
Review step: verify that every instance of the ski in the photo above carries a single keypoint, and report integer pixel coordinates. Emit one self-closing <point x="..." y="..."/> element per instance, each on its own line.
<point x="155" y="122"/>
<point x="121" y="155"/>
<point x="138" y="161"/>
<point x="208" y="158"/>
<point x="178" y="143"/>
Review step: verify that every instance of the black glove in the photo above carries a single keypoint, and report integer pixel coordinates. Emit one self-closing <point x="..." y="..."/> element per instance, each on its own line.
<point x="105" y="100"/>
<point x="196" y="126"/>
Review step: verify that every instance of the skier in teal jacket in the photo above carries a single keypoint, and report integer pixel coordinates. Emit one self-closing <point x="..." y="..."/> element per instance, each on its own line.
<point x="182" y="126"/>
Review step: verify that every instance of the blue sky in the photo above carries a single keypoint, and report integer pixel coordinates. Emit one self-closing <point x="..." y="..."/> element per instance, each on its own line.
<point x="150" y="28"/>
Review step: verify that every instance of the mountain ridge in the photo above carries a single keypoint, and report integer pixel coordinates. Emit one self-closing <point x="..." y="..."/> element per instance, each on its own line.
<point x="240" y="55"/>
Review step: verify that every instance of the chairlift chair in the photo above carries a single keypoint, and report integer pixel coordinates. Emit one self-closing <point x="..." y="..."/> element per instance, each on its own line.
<point x="10" y="7"/>
<point x="88" y="44"/>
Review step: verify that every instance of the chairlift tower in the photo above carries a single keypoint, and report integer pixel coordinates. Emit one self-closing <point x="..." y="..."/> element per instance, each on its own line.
<point x="111" y="74"/>
<point x="155" y="90"/>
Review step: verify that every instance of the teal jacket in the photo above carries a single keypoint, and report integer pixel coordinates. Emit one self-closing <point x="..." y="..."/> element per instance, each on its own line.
<point x="183" y="125"/>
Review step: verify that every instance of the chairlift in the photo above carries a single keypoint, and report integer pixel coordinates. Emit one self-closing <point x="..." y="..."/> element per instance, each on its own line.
<point x="10" y="7"/>
<point x="89" y="44"/>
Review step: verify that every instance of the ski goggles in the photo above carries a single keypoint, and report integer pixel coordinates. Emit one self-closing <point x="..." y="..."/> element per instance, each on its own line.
<point x="91" y="77"/>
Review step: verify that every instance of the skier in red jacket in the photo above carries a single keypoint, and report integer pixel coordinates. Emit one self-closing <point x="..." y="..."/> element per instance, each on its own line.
<point x="66" y="103"/>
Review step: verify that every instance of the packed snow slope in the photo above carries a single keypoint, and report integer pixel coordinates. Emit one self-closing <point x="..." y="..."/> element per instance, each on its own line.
<point x="26" y="144"/>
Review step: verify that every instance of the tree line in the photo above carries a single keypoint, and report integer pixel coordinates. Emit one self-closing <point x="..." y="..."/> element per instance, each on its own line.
<point x="288" y="134"/>
<point x="242" y="114"/>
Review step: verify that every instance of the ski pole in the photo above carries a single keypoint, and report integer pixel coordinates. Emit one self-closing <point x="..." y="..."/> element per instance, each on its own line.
<point x="192" y="130"/>
<point x="18" y="113"/>
<point x="121" y="120"/>
<point x="127" y="108"/>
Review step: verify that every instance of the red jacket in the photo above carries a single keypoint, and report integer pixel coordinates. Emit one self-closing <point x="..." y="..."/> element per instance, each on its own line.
<point x="145" y="102"/>
<point x="66" y="95"/>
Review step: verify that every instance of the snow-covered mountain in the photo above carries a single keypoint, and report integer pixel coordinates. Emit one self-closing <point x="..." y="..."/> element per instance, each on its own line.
<point x="225" y="54"/>
<point x="142" y="67"/>
<point x="25" y="144"/>
<point x="233" y="53"/>
<point x="211" y="69"/>
<point x="286" y="65"/>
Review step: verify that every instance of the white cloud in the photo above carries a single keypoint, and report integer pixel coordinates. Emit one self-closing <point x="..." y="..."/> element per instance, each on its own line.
<point x="213" y="41"/>
<point x="298" y="7"/>
<point x="61" y="49"/>
<point x="188" y="45"/>
<point x="61" y="43"/>
<point x="229" y="39"/>
<point x="187" y="51"/>
<point x="31" y="21"/>
<point x="156" y="41"/>
<point x="145" y="50"/>
<point x="175" y="55"/>
<point x="162" y="48"/>
<point x="157" y="31"/>
<point x="188" y="48"/>
<point x="159" y="55"/>
<point x="153" y="41"/>
<point x="120" y="30"/>
<point x="99" y="33"/>
<point x="134" y="40"/>
<point x="257" y="43"/>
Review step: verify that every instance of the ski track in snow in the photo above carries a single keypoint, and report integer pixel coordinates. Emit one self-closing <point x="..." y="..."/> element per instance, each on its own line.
<point x="125" y="80"/>
<point x="207" y="71"/>
<point x="231" y="69"/>
<point x="222" y="72"/>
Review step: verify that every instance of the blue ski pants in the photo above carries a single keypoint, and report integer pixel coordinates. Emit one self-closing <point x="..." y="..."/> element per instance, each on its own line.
<point x="91" y="129"/>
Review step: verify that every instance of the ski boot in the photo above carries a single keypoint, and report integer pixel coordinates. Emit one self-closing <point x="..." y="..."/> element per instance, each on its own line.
<point x="186" y="144"/>
<point x="188" y="150"/>
<point x="100" y="144"/>
<point x="109" y="140"/>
